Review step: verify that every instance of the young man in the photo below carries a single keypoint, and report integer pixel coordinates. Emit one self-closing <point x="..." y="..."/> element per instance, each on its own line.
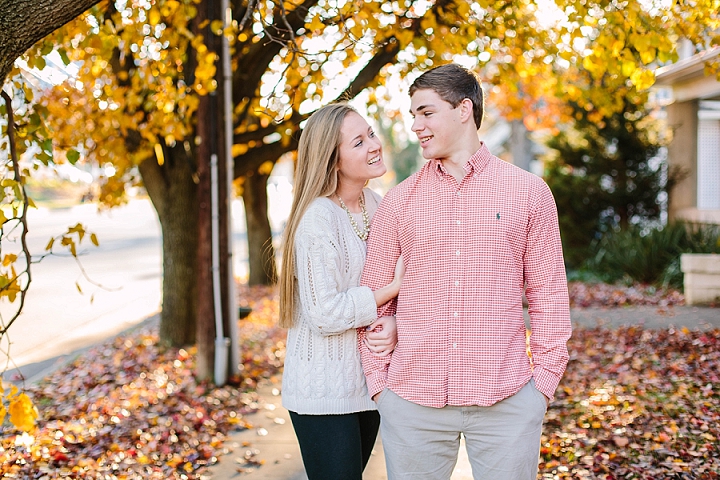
<point x="474" y="232"/>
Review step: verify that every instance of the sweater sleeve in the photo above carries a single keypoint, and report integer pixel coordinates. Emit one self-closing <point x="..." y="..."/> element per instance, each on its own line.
<point x="329" y="308"/>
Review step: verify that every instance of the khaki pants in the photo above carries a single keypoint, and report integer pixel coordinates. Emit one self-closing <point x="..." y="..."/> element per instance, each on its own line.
<point x="503" y="440"/>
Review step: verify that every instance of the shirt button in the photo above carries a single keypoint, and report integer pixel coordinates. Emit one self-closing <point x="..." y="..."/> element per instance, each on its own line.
<point x="458" y="222"/>
<point x="455" y="314"/>
<point x="457" y="283"/>
<point x="457" y="253"/>
<point x="458" y="194"/>
<point x="454" y="345"/>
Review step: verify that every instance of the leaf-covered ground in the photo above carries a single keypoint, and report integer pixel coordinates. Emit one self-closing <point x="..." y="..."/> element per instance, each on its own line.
<point x="131" y="410"/>
<point x="634" y="404"/>
<point x="583" y="295"/>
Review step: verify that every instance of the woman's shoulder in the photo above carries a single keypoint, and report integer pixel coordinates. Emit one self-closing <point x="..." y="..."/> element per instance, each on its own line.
<point x="321" y="209"/>
<point x="371" y="197"/>
<point x="321" y="206"/>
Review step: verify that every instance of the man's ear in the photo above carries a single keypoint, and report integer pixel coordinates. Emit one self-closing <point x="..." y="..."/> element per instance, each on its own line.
<point x="466" y="110"/>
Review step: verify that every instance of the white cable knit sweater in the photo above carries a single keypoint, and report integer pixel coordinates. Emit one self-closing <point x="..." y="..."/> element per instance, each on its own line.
<point x="323" y="373"/>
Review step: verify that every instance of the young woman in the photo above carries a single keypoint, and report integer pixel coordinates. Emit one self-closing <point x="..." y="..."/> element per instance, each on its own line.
<point x="321" y="302"/>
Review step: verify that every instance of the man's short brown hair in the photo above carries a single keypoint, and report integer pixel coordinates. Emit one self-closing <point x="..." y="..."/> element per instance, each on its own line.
<point x="453" y="83"/>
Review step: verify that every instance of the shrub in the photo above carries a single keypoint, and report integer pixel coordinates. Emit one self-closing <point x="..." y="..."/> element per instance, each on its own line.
<point x="607" y="174"/>
<point x="651" y="256"/>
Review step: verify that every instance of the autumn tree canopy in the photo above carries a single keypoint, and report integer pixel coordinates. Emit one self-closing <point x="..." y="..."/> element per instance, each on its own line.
<point x="142" y="66"/>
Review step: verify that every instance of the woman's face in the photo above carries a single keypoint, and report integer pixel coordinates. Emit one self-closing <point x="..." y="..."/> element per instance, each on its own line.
<point x="360" y="152"/>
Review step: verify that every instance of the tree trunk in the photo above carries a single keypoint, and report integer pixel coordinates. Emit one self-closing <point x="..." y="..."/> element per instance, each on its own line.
<point x="174" y="194"/>
<point x="25" y="22"/>
<point x="260" y="247"/>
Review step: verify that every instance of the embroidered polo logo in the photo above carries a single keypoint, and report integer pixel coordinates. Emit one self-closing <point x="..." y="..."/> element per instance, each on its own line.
<point x="498" y="216"/>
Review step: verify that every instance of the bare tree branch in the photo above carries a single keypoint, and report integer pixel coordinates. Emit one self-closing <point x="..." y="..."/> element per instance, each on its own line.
<point x="22" y="218"/>
<point x="260" y="54"/>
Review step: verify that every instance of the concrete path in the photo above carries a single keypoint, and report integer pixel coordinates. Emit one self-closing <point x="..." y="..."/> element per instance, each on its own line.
<point x="272" y="441"/>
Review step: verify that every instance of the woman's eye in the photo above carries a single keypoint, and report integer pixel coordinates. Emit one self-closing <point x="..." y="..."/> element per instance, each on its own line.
<point x="358" y="143"/>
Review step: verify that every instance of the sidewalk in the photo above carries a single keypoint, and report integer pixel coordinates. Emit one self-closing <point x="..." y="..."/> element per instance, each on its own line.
<point x="272" y="440"/>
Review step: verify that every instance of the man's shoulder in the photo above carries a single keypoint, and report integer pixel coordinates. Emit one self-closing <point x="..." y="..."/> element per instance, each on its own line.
<point x="516" y="174"/>
<point x="410" y="183"/>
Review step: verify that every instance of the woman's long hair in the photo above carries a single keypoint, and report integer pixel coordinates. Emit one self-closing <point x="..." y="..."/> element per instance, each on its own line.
<point x="315" y="176"/>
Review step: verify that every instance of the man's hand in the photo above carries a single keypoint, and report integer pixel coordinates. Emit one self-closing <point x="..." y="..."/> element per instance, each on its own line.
<point x="381" y="336"/>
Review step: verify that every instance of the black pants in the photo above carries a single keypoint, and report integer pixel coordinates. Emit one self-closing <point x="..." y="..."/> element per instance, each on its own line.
<point x="336" y="447"/>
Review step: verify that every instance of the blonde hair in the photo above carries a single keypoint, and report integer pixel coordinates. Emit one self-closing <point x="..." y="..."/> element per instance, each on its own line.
<point x="315" y="176"/>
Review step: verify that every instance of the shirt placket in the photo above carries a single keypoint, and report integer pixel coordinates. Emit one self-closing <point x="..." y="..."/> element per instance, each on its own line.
<point x="455" y="387"/>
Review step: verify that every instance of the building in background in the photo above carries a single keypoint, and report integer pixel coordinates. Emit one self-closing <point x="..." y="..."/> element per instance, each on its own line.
<point x="692" y="101"/>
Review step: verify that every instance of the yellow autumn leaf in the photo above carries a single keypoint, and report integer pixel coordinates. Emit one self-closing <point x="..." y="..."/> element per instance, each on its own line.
<point x="216" y="26"/>
<point x="170" y="7"/>
<point x="628" y="67"/>
<point x="266" y="168"/>
<point x="174" y="461"/>
<point x="647" y="56"/>
<point x="593" y="64"/>
<point x="205" y="71"/>
<point x="643" y="79"/>
<point x="8" y="259"/>
<point x="22" y="412"/>
<point x="68" y="242"/>
<point x="79" y="229"/>
<point x="238" y="149"/>
<point x="94" y="240"/>
<point x="316" y="25"/>
<point x="405" y="37"/>
<point x="154" y="17"/>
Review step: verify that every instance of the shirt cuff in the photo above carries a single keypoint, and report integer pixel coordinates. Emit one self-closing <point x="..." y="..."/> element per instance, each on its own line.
<point x="546" y="382"/>
<point x="377" y="381"/>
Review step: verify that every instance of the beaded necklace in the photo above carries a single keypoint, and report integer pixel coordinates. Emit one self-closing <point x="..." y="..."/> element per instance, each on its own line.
<point x="366" y="221"/>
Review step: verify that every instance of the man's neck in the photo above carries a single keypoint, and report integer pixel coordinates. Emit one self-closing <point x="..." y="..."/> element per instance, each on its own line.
<point x="455" y="163"/>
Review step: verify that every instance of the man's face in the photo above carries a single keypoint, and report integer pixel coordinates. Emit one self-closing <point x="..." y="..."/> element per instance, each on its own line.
<point x="436" y="123"/>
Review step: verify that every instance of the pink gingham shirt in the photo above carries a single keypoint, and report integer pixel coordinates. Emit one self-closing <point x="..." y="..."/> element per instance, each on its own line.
<point x="469" y="250"/>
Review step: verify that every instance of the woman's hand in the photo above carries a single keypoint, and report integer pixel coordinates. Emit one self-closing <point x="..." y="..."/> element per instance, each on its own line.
<point x="381" y="336"/>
